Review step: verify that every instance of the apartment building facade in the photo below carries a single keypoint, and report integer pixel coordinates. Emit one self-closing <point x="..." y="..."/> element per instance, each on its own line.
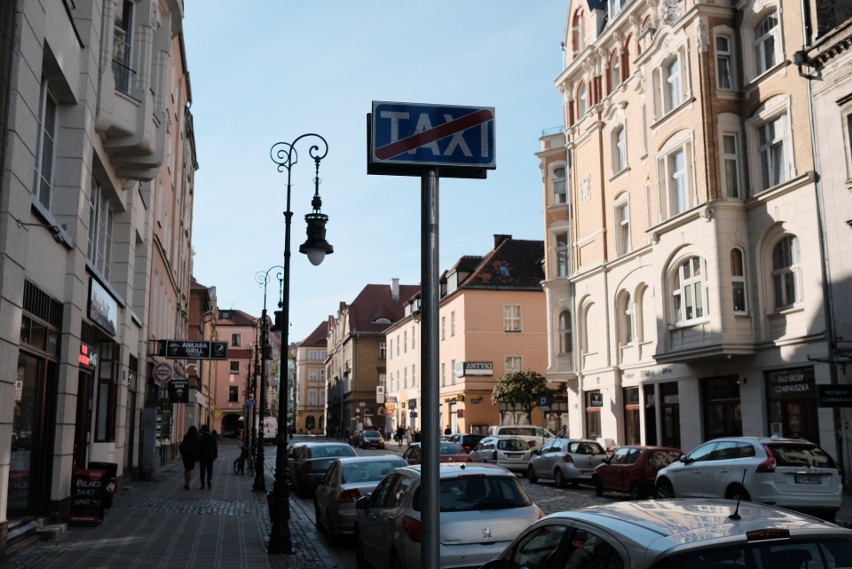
<point x="685" y="284"/>
<point x="96" y="94"/>
<point x="356" y="364"/>
<point x="492" y="322"/>
<point x="310" y="389"/>
<point x="236" y="378"/>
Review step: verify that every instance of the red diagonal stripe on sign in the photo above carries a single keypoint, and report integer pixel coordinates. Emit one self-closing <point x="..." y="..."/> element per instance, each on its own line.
<point x="428" y="136"/>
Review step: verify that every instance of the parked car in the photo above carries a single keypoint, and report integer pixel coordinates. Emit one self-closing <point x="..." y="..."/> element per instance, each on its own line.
<point x="482" y="508"/>
<point x="535" y="436"/>
<point x="566" y="461"/>
<point x="679" y="534"/>
<point x="790" y="473"/>
<point x="355" y="438"/>
<point x="310" y="463"/>
<point x="467" y="442"/>
<point x="509" y="452"/>
<point x="371" y="439"/>
<point x="348" y="479"/>
<point x="449" y="452"/>
<point x="633" y="469"/>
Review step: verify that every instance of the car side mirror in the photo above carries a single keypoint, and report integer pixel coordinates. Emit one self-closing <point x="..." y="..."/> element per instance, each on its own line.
<point x="683" y="459"/>
<point x="607" y="460"/>
<point x="362" y="503"/>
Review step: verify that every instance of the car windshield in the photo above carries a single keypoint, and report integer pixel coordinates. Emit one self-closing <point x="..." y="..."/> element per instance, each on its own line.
<point x="473" y="493"/>
<point x="369" y="471"/>
<point x="797" y="454"/>
<point x="451" y="448"/>
<point x="813" y="554"/>
<point x="371" y="435"/>
<point x="325" y="452"/>
<point x="513" y="444"/>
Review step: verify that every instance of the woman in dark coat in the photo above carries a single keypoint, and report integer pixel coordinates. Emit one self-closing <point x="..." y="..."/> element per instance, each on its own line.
<point x="189" y="454"/>
<point x="207" y="453"/>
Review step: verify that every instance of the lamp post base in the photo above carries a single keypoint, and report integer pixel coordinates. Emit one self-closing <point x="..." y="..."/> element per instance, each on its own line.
<point x="279" y="512"/>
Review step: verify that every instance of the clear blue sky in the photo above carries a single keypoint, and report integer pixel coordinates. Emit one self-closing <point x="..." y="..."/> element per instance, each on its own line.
<point x="264" y="71"/>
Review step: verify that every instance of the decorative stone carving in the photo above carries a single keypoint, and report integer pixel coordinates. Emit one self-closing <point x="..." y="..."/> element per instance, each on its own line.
<point x="585" y="189"/>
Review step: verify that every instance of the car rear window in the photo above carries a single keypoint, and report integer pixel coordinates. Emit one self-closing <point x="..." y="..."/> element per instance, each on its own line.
<point x="793" y="454"/>
<point x="472" y="493"/>
<point x="815" y="553"/>
<point x="513" y="444"/>
<point x="369" y="471"/>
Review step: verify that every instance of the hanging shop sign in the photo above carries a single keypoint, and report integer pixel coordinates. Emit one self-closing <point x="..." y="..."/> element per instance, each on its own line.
<point x="179" y="390"/>
<point x="162" y="374"/>
<point x="103" y="309"/>
<point x="193" y="349"/>
<point x="834" y="395"/>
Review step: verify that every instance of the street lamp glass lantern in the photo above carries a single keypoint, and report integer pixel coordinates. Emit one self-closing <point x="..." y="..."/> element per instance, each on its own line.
<point x="316" y="247"/>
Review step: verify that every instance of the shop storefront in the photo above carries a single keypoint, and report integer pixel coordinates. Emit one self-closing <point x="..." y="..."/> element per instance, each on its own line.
<point x="792" y="403"/>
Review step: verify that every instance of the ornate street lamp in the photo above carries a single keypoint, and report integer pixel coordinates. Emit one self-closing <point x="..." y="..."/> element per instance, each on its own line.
<point x="316" y="248"/>
<point x="266" y="354"/>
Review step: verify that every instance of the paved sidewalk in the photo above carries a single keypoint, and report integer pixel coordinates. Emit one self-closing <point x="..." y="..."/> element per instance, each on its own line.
<point x="158" y="524"/>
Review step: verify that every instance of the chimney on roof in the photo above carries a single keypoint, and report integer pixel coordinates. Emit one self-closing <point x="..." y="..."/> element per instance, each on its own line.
<point x="499" y="238"/>
<point x="394" y="289"/>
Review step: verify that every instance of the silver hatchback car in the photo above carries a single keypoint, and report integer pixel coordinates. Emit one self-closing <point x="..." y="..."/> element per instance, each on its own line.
<point x="566" y="461"/>
<point x="679" y="534"/>
<point x="791" y="473"/>
<point x="483" y="508"/>
<point x="509" y="452"/>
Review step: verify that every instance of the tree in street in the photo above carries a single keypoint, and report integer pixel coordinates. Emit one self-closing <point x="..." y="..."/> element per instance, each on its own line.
<point x="522" y="388"/>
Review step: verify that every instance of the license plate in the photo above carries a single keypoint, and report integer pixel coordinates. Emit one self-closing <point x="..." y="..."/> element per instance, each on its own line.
<point x="586" y="473"/>
<point x="514" y="456"/>
<point x="808" y="479"/>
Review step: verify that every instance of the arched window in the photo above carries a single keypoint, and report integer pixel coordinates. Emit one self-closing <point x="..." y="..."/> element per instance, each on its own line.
<point x="582" y="99"/>
<point x="566" y="336"/>
<point x="614" y="70"/>
<point x="577" y="32"/>
<point x="786" y="272"/>
<point x="624" y="313"/>
<point x="689" y="291"/>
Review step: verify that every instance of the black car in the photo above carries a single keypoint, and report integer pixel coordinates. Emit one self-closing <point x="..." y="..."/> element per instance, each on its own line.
<point x="372" y="439"/>
<point x="467" y="442"/>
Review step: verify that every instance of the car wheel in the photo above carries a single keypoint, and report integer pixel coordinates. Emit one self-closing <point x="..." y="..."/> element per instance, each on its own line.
<point x="636" y="491"/>
<point x="531" y="475"/>
<point x="596" y="480"/>
<point x="664" y="489"/>
<point x="559" y="478"/>
<point x="737" y="492"/>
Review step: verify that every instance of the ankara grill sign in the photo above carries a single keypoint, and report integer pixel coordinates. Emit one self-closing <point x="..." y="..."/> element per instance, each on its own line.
<point x="195" y="350"/>
<point x="403" y="138"/>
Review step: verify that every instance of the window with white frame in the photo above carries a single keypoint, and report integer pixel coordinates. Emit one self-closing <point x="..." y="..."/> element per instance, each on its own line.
<point x="619" y="149"/>
<point x="453" y="371"/>
<point x="413" y="340"/>
<point x="786" y="272"/>
<point x="624" y="313"/>
<point x="322" y="375"/>
<point x="405" y="342"/>
<point x="513" y="364"/>
<point x="674" y="169"/>
<point x="731" y="170"/>
<point x="614" y="70"/>
<point x="582" y="99"/>
<point x="566" y="336"/>
<point x="689" y="291"/>
<point x="773" y="138"/>
<point x="561" y="239"/>
<point x="766" y="43"/>
<point x="234" y="367"/>
<point x="453" y="323"/>
<point x="725" y="78"/>
<point x="443" y="327"/>
<point x="313" y="375"/>
<point x="99" y="250"/>
<point x="390" y="345"/>
<point x="443" y="374"/>
<point x="313" y="355"/>
<point x="671" y="86"/>
<point x="45" y="161"/>
<point x="560" y="195"/>
<point x="383" y="350"/>
<point x="414" y="375"/>
<point x="738" y="281"/>
<point x="577" y="33"/>
<point x="622" y="226"/>
<point x="404" y="378"/>
<point x="615" y="6"/>
<point x="236" y="340"/>
<point x="512" y="318"/>
<point x="312" y="397"/>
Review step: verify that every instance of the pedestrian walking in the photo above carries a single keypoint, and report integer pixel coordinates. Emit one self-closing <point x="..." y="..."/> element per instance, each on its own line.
<point x="408" y="436"/>
<point x="189" y="453"/>
<point x="400" y="434"/>
<point x="207" y="452"/>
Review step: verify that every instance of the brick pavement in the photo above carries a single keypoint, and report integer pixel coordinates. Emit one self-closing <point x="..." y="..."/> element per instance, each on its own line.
<point x="158" y="524"/>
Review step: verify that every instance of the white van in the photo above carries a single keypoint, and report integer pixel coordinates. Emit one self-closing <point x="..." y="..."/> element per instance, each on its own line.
<point x="535" y="436"/>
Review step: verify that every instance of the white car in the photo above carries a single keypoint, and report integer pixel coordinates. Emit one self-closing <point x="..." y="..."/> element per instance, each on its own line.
<point x="790" y="473"/>
<point x="566" y="461"/>
<point x="483" y="508"/>
<point x="679" y="534"/>
<point x="509" y="452"/>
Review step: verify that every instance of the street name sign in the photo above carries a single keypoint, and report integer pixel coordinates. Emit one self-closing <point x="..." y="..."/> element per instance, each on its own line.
<point x="406" y="138"/>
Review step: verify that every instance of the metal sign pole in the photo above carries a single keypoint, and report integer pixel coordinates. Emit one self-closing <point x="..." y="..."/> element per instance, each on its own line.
<point x="429" y="360"/>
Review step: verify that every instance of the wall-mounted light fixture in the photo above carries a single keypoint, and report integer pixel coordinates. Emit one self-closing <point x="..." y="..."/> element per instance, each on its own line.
<point x="55" y="230"/>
